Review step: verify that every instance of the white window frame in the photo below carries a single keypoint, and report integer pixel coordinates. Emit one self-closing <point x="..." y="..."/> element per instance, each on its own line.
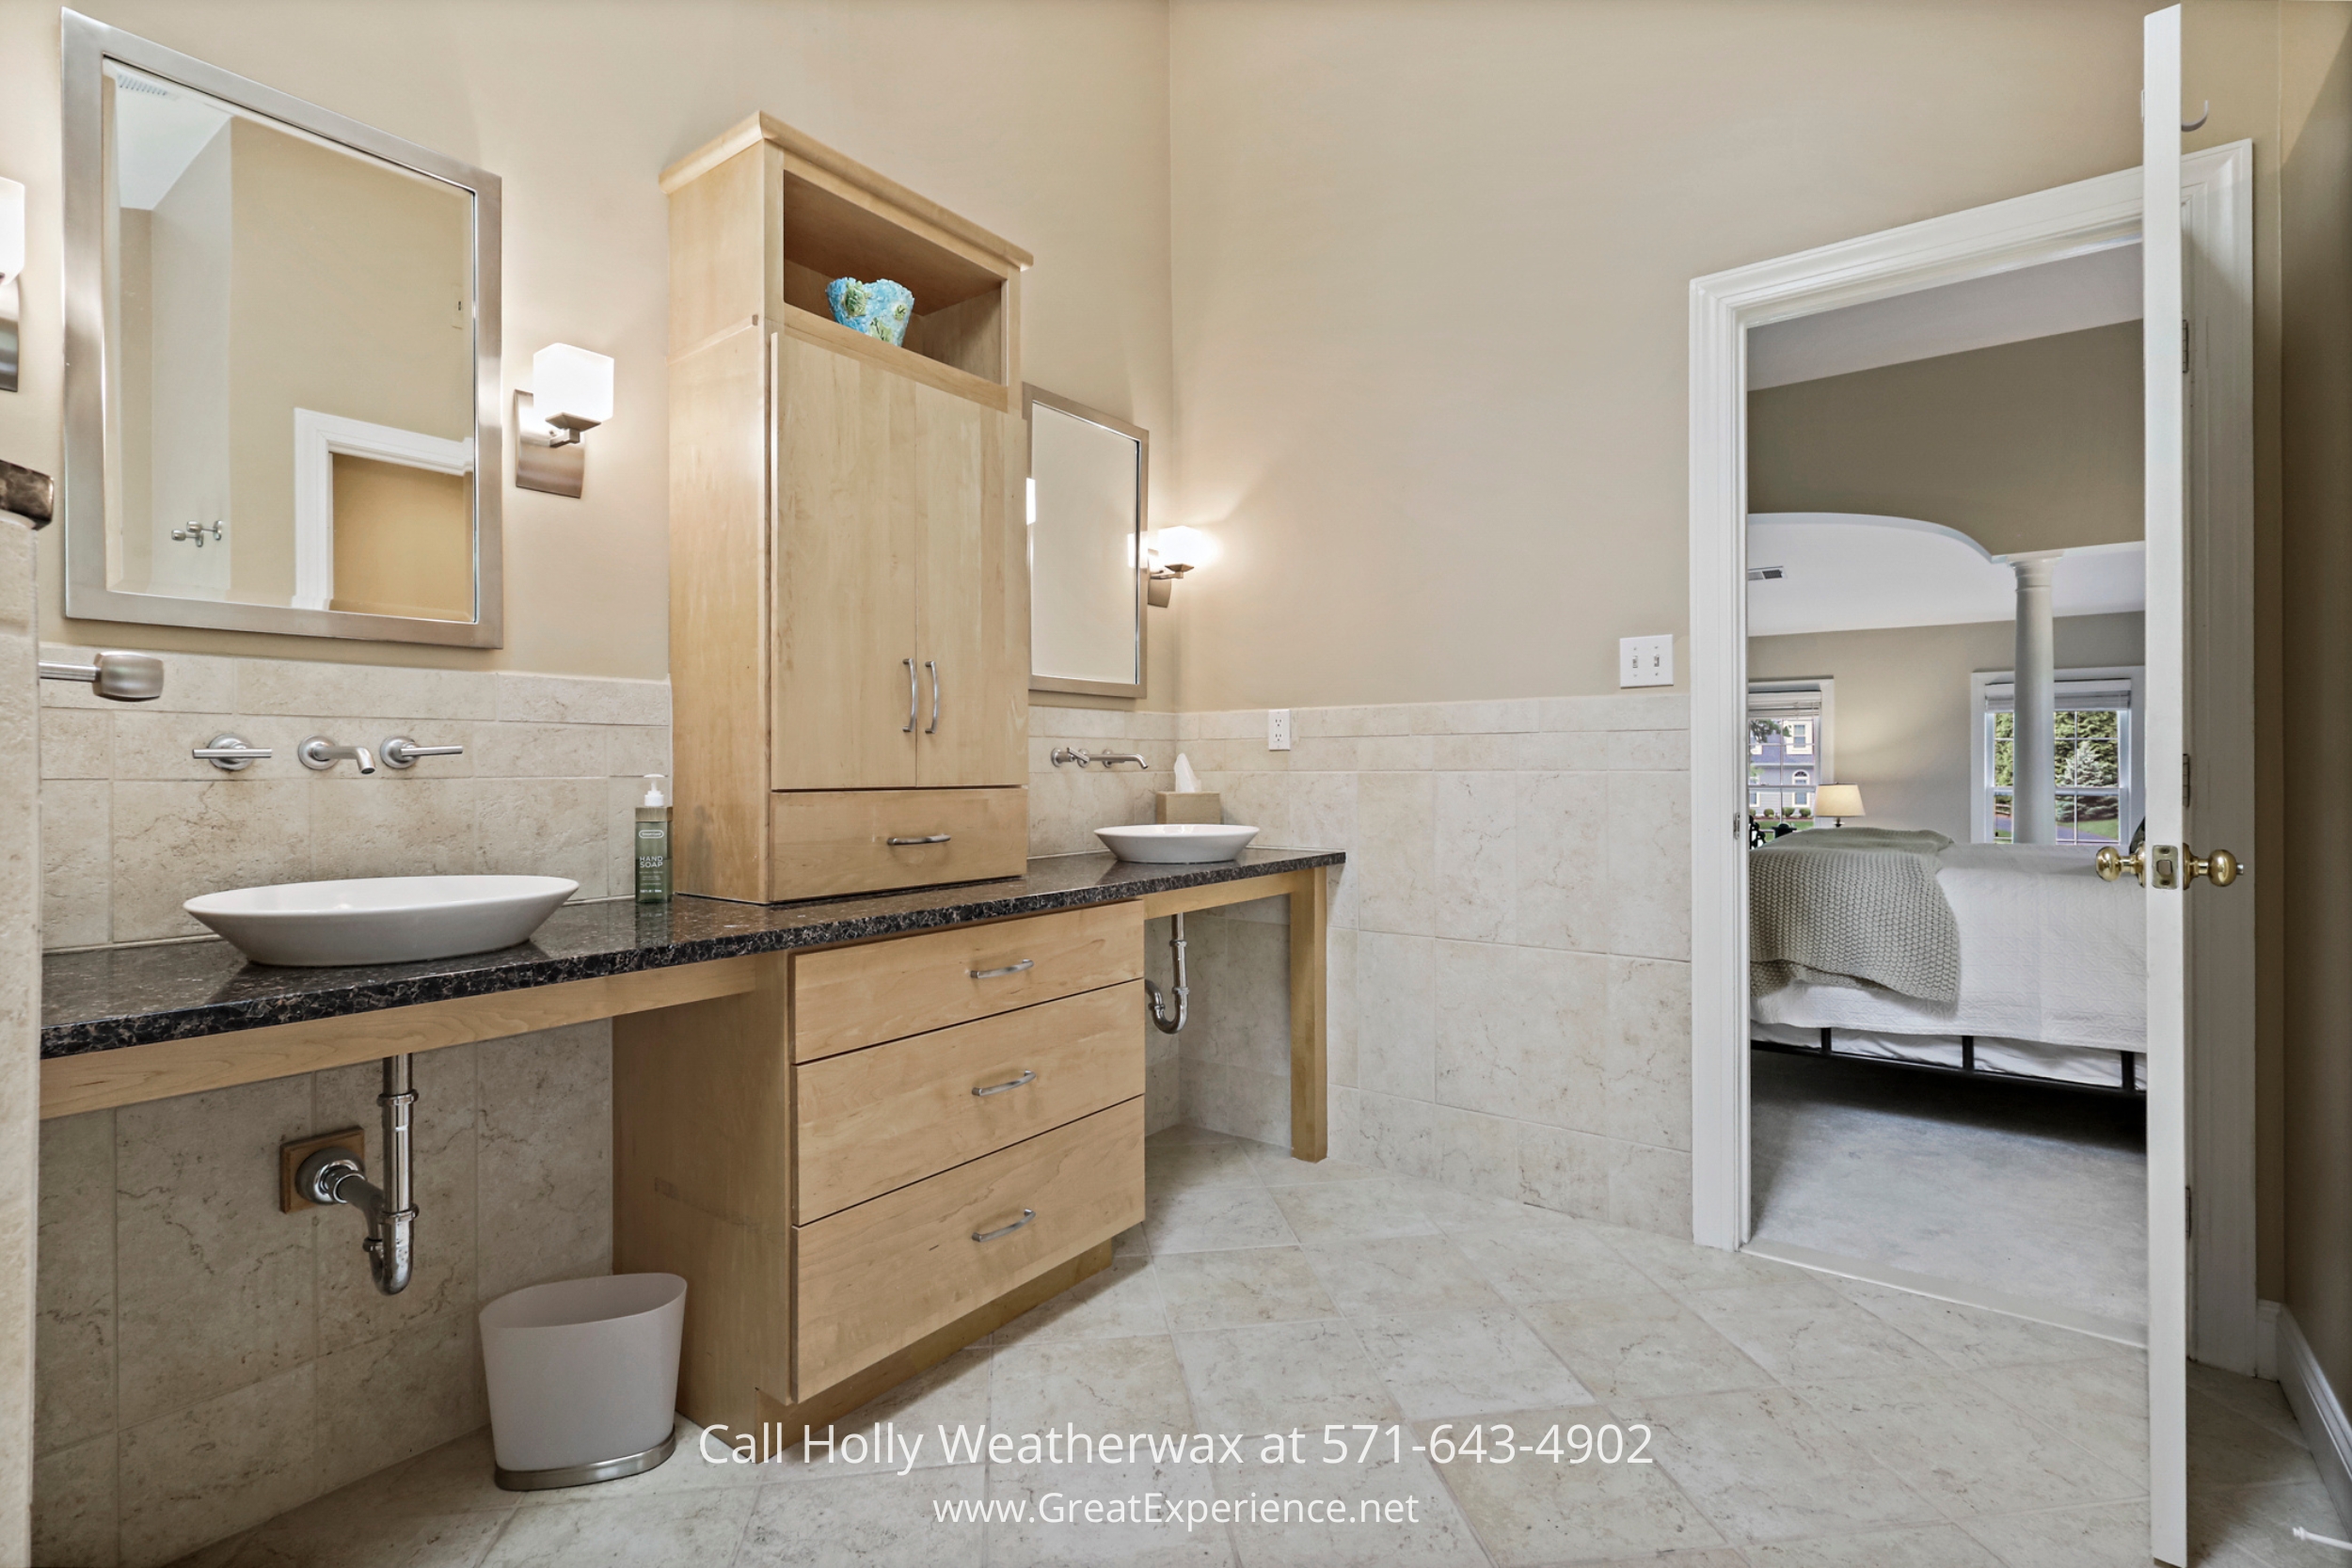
<point x="318" y="439"/>
<point x="1823" y="768"/>
<point x="1986" y="685"/>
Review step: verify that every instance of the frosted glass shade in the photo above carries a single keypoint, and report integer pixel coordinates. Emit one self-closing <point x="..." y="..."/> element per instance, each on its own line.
<point x="573" y="383"/>
<point x="1184" y="548"/>
<point x="1838" y="801"/>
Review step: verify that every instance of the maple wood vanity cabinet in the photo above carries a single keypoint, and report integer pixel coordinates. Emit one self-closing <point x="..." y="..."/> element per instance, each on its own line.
<point x="880" y="1152"/>
<point x="848" y="582"/>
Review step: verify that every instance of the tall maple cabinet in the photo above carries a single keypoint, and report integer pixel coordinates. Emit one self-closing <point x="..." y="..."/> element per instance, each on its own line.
<point x="848" y="576"/>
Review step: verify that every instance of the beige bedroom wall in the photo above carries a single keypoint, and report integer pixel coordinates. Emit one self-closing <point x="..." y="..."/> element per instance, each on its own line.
<point x="2308" y="838"/>
<point x="1433" y="355"/>
<point x="2032" y="445"/>
<point x="1045" y="120"/>
<point x="1902" y="725"/>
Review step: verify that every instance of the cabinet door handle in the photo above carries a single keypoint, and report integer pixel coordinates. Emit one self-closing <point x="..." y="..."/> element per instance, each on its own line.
<point x="913" y="698"/>
<point x="1028" y="1075"/>
<point x="926" y="838"/>
<point x="932" y="665"/>
<point x="1026" y="1216"/>
<point x="1000" y="974"/>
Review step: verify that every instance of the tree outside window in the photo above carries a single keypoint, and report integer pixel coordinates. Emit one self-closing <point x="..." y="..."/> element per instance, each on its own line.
<point x="2087" y="769"/>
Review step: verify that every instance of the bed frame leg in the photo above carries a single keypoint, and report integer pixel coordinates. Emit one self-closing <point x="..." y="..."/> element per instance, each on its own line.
<point x="2131" y="1078"/>
<point x="1824" y="1042"/>
<point x="1967" y="1052"/>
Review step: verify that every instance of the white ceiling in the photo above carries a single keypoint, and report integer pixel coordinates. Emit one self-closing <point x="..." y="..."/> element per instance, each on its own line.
<point x="2073" y="296"/>
<point x="1847" y="571"/>
<point x="159" y="128"/>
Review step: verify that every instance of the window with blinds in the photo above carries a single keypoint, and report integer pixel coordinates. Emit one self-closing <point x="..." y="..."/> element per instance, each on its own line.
<point x="2095" y="758"/>
<point x="1788" y="749"/>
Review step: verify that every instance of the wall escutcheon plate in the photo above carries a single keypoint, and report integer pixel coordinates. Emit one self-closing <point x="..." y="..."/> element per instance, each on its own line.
<point x="291" y="1155"/>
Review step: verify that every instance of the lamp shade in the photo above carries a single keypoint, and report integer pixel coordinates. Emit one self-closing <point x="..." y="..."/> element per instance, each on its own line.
<point x="1839" y="800"/>
<point x="571" y="383"/>
<point x="1180" y="549"/>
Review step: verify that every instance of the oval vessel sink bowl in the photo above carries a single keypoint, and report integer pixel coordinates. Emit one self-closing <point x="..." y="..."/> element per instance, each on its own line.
<point x="1176" y="843"/>
<point x="380" y="919"/>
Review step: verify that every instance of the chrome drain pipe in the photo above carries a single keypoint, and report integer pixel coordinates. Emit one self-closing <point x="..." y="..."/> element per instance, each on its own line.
<point x="335" y="1175"/>
<point x="1165" y="1023"/>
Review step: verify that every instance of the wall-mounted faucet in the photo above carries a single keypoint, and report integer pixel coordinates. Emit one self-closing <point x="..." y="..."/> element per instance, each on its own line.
<point x="318" y="753"/>
<point x="334" y="1175"/>
<point x="1068" y="753"/>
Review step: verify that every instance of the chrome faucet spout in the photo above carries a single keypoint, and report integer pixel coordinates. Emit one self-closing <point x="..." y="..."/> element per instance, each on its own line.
<point x="318" y="753"/>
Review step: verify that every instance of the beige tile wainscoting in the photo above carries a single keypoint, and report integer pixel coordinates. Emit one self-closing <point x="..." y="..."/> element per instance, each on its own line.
<point x="206" y="1362"/>
<point x="132" y="826"/>
<point x="1510" y="939"/>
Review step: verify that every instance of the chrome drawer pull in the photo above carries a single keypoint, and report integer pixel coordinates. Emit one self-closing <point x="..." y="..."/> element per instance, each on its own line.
<point x="927" y="838"/>
<point x="1028" y="1075"/>
<point x="1026" y="1216"/>
<point x="1000" y="974"/>
<point x="914" y="699"/>
<point x="932" y="665"/>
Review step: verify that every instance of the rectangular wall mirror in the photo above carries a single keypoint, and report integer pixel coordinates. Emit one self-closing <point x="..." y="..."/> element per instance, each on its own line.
<point x="1090" y="474"/>
<point x="282" y="361"/>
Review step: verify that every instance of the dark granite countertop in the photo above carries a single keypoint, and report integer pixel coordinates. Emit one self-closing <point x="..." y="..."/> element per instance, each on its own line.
<point x="108" y="998"/>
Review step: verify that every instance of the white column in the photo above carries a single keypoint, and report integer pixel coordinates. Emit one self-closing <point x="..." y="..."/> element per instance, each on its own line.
<point x="2033" y="803"/>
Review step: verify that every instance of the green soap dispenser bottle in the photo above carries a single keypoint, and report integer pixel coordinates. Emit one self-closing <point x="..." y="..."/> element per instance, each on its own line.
<point x="653" y="844"/>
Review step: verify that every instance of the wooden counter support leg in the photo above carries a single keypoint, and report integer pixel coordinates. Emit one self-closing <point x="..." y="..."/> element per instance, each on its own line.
<point x="1309" y="901"/>
<point x="1310" y="895"/>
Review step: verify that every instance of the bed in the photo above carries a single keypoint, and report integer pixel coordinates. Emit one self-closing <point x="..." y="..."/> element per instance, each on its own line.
<point x="2052" y="962"/>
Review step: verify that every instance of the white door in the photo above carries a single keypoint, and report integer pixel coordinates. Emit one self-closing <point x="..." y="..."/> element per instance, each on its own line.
<point x="2200" y="958"/>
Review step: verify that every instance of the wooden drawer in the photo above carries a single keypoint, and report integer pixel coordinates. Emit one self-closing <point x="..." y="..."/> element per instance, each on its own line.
<point x="825" y="843"/>
<point x="874" y="1121"/>
<point x="877" y="1278"/>
<point x="888" y="990"/>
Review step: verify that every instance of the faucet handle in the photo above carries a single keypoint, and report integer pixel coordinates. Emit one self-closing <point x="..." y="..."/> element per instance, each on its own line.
<point x="229" y="754"/>
<point x="400" y="753"/>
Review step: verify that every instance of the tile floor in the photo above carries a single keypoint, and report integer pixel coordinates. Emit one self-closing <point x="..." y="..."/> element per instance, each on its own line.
<point x="2041" y="1192"/>
<point x="1795" y="1422"/>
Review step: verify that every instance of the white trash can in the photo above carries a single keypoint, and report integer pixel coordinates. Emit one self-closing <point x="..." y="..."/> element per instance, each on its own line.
<point x="584" y="1378"/>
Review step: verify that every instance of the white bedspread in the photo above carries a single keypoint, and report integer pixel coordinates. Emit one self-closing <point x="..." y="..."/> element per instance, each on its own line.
<point x="2047" y="952"/>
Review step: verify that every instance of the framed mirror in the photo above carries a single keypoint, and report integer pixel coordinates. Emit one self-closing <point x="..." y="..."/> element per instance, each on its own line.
<point x="281" y="360"/>
<point x="1090" y="475"/>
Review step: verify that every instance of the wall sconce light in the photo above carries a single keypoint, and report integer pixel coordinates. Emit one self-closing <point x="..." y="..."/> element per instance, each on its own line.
<point x="1174" y="552"/>
<point x="572" y="394"/>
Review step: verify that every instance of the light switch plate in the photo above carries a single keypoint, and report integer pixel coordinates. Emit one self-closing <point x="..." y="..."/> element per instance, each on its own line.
<point x="1645" y="661"/>
<point x="1278" y="729"/>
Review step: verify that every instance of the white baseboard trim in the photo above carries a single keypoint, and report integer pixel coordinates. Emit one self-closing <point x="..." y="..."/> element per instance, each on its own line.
<point x="2317" y="1410"/>
<point x="1954" y="1291"/>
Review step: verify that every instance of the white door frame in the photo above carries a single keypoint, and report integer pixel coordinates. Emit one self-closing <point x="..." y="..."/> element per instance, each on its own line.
<point x="2046" y="226"/>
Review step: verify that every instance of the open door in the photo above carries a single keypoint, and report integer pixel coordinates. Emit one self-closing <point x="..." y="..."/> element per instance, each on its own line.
<point x="2196" y="348"/>
<point x="2163" y="304"/>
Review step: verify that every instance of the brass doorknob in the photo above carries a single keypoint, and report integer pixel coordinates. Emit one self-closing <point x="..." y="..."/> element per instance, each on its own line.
<point x="2112" y="862"/>
<point x="2220" y="866"/>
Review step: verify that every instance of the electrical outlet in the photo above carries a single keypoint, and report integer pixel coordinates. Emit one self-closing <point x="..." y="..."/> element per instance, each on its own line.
<point x="1278" y="729"/>
<point x="1645" y="661"/>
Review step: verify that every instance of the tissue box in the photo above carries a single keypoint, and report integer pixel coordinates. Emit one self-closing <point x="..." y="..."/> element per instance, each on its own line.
<point x="1193" y="805"/>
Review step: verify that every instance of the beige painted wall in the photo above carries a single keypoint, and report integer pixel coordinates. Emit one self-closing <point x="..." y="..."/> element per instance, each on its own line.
<point x="1433" y="346"/>
<point x="1045" y="120"/>
<point x="2309" y="836"/>
<point x="1901" y="725"/>
<point x="2033" y="445"/>
<point x="350" y="292"/>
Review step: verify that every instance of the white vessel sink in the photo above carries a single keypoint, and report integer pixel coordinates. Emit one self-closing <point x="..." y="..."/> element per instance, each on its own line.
<point x="1176" y="843"/>
<point x="380" y="919"/>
